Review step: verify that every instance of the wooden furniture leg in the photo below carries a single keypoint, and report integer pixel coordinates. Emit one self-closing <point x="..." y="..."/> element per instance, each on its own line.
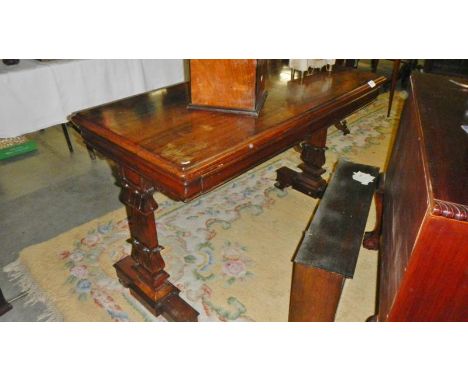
<point x="143" y="272"/>
<point x="4" y="305"/>
<point x="329" y="250"/>
<point x="372" y="238"/>
<point x="67" y="137"/>
<point x="315" y="294"/>
<point x="396" y="68"/>
<point x="309" y="181"/>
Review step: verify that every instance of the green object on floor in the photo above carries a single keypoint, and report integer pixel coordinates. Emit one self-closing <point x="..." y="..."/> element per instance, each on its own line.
<point x="11" y="147"/>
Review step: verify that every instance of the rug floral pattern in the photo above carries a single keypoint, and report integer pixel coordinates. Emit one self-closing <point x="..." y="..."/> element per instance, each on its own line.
<point x="187" y="231"/>
<point x="215" y="271"/>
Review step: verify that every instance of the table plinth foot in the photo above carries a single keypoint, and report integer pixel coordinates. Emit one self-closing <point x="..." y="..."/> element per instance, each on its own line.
<point x="162" y="300"/>
<point x="312" y="186"/>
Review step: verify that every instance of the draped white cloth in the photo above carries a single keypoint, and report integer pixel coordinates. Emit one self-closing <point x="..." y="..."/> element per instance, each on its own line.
<point x="35" y="95"/>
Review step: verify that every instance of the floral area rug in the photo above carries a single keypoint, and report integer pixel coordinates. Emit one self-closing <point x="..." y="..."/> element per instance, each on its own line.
<point x="229" y="252"/>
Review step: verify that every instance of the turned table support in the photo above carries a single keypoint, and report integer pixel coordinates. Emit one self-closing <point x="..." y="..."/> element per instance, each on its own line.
<point x="143" y="272"/>
<point x="309" y="181"/>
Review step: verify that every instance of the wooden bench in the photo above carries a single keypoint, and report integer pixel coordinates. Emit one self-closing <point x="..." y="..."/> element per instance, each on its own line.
<point x="329" y="249"/>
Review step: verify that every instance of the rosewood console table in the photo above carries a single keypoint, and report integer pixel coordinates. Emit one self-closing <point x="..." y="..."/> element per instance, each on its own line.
<point x="160" y="145"/>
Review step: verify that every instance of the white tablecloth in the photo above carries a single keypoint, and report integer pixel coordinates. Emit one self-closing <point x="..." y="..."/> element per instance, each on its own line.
<point x="35" y="95"/>
<point x="303" y="65"/>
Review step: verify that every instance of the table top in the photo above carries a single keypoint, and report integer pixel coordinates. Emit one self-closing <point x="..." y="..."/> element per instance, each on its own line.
<point x="190" y="151"/>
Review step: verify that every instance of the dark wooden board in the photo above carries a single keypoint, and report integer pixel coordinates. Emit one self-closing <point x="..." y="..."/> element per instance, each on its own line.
<point x="341" y="213"/>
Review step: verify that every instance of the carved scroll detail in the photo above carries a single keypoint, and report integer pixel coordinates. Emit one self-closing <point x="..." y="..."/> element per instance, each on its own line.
<point x="450" y="210"/>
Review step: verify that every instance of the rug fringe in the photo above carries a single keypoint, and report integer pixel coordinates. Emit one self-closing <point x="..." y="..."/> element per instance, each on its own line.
<point x="18" y="274"/>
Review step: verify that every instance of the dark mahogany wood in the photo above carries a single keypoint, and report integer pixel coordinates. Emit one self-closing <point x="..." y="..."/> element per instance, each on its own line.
<point x="236" y="86"/>
<point x="4" y="305"/>
<point x="424" y="255"/>
<point x="161" y="145"/>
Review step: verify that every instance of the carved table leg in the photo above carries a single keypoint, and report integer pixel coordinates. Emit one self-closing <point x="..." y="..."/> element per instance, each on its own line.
<point x="143" y="272"/>
<point x="372" y="238"/>
<point x="4" y="305"/>
<point x="310" y="180"/>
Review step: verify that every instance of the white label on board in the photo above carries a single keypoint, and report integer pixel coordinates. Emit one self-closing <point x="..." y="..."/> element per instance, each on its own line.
<point x="363" y="177"/>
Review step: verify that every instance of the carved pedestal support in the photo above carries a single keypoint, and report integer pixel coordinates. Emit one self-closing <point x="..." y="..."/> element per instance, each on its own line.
<point x="309" y="181"/>
<point x="372" y="238"/>
<point x="143" y="272"/>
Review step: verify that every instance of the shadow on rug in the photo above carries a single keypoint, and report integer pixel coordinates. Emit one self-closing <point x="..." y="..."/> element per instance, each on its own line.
<point x="229" y="252"/>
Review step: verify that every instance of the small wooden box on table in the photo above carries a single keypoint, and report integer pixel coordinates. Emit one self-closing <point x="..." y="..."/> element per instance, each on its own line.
<point x="161" y="145"/>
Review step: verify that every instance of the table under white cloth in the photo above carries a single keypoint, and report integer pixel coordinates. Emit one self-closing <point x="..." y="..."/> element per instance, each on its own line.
<point x="37" y="94"/>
